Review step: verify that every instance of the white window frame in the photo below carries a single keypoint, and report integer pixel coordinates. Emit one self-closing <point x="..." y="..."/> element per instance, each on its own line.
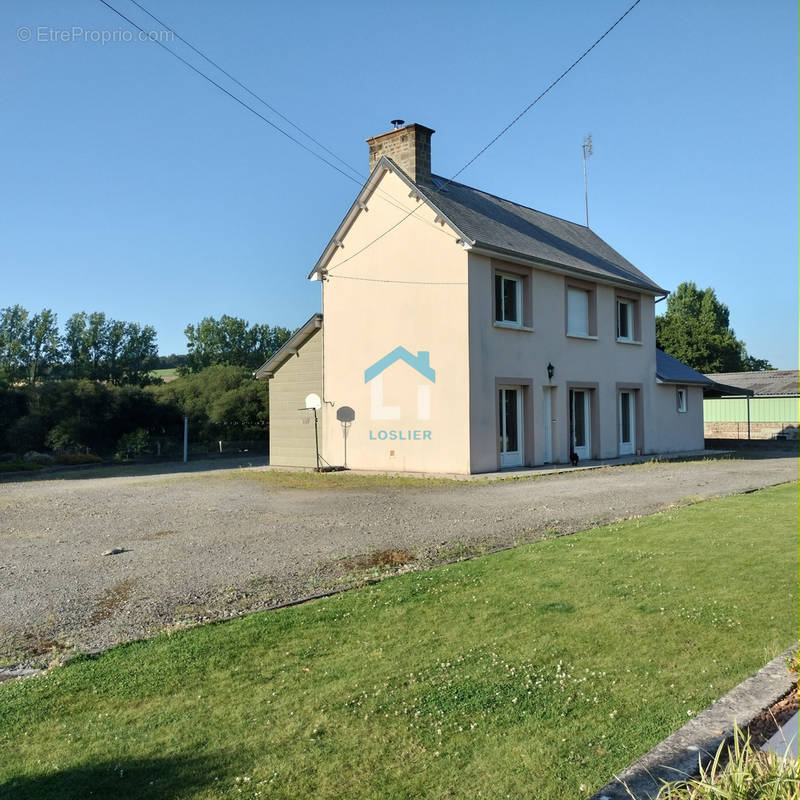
<point x="571" y="292"/>
<point x="681" y="399"/>
<point x="519" y="282"/>
<point x="630" y="319"/>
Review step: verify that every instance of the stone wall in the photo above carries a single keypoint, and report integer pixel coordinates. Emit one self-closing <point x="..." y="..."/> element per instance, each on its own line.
<point x="758" y="430"/>
<point x="409" y="148"/>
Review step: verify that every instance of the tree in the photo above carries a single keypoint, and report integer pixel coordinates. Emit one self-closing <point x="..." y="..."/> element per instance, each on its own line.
<point x="221" y="401"/>
<point x="29" y="346"/>
<point x="696" y="330"/>
<point x="138" y="354"/>
<point x="75" y="345"/>
<point x="104" y="349"/>
<point x="13" y="325"/>
<point x="231" y="340"/>
<point x="41" y="344"/>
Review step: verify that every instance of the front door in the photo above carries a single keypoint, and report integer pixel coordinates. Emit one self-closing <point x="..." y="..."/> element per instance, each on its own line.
<point x="510" y="429"/>
<point x="627" y="423"/>
<point x="580" y="423"/>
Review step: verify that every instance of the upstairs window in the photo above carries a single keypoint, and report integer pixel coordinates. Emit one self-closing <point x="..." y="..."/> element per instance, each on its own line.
<point x="577" y="312"/>
<point x="680" y="399"/>
<point x="507" y="299"/>
<point x="625" y="320"/>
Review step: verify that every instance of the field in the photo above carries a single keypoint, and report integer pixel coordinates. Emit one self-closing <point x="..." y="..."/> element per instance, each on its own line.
<point x="167" y="375"/>
<point x="535" y="672"/>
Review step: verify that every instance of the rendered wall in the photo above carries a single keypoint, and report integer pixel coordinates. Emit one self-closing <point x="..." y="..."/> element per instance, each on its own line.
<point x="291" y="440"/>
<point x="407" y="289"/>
<point x="675" y="431"/>
<point x="601" y="363"/>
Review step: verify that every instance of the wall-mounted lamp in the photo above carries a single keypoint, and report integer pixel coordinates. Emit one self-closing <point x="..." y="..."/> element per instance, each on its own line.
<point x="550" y="370"/>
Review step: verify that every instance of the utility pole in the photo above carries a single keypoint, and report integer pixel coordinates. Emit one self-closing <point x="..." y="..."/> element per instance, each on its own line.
<point x="587" y="151"/>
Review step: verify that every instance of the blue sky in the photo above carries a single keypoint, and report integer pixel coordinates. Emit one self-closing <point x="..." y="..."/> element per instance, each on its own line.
<point x="132" y="186"/>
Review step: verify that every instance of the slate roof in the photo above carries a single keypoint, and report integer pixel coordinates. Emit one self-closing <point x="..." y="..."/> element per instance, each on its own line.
<point x="774" y="382"/>
<point x="670" y="370"/>
<point x="509" y="228"/>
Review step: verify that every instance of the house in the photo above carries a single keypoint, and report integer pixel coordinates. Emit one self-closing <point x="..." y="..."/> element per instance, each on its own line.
<point x="758" y="405"/>
<point x="463" y="333"/>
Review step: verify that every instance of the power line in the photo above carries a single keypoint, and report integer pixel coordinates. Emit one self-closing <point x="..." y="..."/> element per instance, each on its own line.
<point x="231" y="95"/>
<point x="438" y="190"/>
<point x="551" y="86"/>
<point x="358" y="181"/>
<point x="247" y="88"/>
<point x="387" y="280"/>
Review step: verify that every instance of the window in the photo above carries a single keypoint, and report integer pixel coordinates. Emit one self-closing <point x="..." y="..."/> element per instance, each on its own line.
<point x="680" y="396"/>
<point x="507" y="299"/>
<point x="577" y="312"/>
<point x="625" y="320"/>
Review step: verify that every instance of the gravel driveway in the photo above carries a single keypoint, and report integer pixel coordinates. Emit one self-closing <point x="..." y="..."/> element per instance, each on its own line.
<point x="215" y="544"/>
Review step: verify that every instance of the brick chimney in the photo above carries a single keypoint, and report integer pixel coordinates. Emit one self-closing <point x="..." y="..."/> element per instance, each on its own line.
<point x="409" y="147"/>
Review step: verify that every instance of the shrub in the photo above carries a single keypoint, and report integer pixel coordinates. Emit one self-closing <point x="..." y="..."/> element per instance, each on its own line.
<point x="748" y="775"/>
<point x="32" y="457"/>
<point x="133" y="444"/>
<point x="73" y="459"/>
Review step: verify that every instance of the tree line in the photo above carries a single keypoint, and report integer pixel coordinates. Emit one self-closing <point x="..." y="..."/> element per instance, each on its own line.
<point x="90" y="388"/>
<point x="99" y="348"/>
<point x="91" y="346"/>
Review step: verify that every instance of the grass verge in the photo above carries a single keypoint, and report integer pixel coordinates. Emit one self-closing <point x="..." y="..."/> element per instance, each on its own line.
<point x="535" y="672"/>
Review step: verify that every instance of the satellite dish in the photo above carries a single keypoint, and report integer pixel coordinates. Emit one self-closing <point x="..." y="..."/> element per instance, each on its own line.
<point x="313" y="401"/>
<point x="345" y="414"/>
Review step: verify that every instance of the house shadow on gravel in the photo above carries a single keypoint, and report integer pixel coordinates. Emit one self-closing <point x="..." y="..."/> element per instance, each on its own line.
<point x="164" y="778"/>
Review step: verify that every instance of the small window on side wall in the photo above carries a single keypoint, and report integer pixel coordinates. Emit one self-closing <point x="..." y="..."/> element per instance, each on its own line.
<point x="625" y="320"/>
<point x="507" y="299"/>
<point x="680" y="398"/>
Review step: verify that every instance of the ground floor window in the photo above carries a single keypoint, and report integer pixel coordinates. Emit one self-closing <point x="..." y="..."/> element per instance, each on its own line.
<point x="680" y="399"/>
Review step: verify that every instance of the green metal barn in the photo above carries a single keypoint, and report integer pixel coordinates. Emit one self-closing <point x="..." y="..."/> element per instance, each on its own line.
<point x="767" y="408"/>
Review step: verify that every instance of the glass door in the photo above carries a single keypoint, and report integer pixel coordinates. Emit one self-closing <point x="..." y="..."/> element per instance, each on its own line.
<point x="627" y="424"/>
<point x="510" y="429"/>
<point x="580" y="423"/>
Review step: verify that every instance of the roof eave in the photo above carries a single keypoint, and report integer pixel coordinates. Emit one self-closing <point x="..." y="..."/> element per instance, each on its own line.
<point x="727" y="390"/>
<point x="492" y="250"/>
<point x="298" y="339"/>
<point x="681" y="381"/>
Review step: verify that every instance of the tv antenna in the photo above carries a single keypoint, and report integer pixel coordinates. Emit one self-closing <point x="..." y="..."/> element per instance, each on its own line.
<point x="587" y="151"/>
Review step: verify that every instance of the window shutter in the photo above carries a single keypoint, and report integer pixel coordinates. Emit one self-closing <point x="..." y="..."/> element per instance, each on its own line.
<point x="578" y="312"/>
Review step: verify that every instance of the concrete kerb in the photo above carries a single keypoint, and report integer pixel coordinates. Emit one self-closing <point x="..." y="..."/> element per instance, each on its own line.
<point x="679" y="756"/>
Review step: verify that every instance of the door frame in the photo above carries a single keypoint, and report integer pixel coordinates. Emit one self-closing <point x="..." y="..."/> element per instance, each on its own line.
<point x="638" y="428"/>
<point x="626" y="448"/>
<point x="594" y="415"/>
<point x="526" y="387"/>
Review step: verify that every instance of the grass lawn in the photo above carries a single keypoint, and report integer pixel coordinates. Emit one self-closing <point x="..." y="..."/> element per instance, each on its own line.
<point x="532" y="673"/>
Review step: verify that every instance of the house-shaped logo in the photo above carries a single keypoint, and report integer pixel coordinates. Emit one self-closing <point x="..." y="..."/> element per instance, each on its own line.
<point x="374" y="376"/>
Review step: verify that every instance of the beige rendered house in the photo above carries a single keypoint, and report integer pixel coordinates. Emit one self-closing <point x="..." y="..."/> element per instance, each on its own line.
<point x="464" y="333"/>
